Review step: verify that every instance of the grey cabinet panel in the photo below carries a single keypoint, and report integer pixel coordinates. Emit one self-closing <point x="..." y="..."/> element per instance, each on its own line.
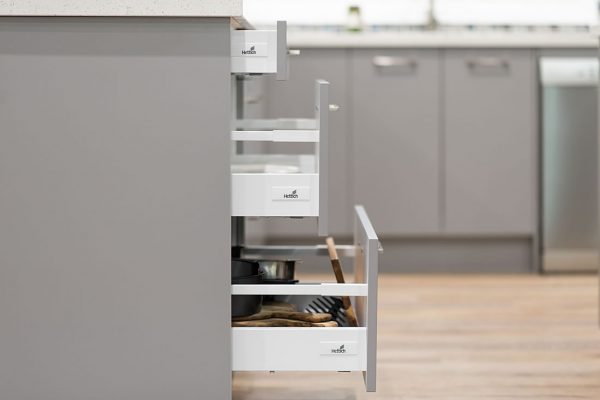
<point x="296" y="98"/>
<point x="255" y="104"/>
<point x="490" y="139"/>
<point x="396" y="138"/>
<point x="114" y="205"/>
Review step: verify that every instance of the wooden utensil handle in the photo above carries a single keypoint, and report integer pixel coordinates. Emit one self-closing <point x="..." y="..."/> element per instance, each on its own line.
<point x="339" y="276"/>
<point x="333" y="255"/>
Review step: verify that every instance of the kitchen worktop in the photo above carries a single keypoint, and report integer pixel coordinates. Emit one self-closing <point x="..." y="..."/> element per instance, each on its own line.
<point x="428" y="39"/>
<point x="148" y="8"/>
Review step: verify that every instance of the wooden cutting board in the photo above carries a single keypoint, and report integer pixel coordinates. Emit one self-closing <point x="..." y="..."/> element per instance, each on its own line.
<point x="293" y="315"/>
<point x="281" y="322"/>
<point x="278" y="305"/>
<point x="279" y="314"/>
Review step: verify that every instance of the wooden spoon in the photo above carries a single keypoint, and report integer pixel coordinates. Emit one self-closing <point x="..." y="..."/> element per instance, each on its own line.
<point x="339" y="276"/>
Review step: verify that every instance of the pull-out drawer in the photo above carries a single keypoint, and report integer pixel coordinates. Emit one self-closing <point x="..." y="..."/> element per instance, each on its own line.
<point x="300" y="349"/>
<point x="276" y="185"/>
<point x="261" y="52"/>
<point x="318" y="349"/>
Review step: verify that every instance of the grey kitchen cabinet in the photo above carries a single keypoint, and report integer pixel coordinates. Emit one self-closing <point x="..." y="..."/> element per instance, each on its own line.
<point x="490" y="142"/>
<point x="295" y="99"/>
<point x="114" y="177"/>
<point x="395" y="119"/>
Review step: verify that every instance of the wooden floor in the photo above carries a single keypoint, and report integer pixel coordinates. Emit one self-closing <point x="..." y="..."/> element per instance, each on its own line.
<point x="467" y="338"/>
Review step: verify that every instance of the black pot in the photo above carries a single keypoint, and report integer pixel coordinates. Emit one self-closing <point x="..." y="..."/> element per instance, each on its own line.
<point x="244" y="305"/>
<point x="236" y="251"/>
<point x="241" y="268"/>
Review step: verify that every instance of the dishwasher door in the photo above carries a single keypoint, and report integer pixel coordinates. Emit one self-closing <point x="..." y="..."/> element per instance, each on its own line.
<point x="570" y="164"/>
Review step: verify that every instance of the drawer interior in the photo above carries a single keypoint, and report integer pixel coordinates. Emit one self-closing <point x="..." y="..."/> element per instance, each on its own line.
<point x="341" y="348"/>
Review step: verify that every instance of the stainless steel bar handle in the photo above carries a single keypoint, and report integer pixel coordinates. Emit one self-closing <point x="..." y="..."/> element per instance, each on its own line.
<point x="387" y="61"/>
<point x="253" y="99"/>
<point x="293" y="52"/>
<point x="487" y="62"/>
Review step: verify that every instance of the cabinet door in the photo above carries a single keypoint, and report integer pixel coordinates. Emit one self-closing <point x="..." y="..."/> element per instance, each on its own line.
<point x="490" y="136"/>
<point x="295" y="98"/>
<point x="396" y="138"/>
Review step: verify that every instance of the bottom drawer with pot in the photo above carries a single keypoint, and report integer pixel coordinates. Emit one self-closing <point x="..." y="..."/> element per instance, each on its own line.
<point x="342" y="348"/>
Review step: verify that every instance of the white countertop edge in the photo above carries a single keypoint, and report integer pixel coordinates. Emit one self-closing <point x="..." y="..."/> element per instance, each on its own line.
<point x="124" y="8"/>
<point x="442" y="39"/>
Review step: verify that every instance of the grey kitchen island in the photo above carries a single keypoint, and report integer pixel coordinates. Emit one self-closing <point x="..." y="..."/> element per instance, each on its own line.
<point x="114" y="200"/>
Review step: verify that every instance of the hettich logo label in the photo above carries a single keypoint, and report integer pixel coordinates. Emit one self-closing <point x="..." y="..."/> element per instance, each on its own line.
<point x="339" y="350"/>
<point x="290" y="193"/>
<point x="293" y="195"/>
<point x="250" y="51"/>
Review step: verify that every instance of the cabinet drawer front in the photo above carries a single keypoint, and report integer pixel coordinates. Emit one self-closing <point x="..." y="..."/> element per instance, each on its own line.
<point x="490" y="142"/>
<point x="263" y="195"/>
<point x="299" y="349"/>
<point x="260" y="51"/>
<point x="396" y="138"/>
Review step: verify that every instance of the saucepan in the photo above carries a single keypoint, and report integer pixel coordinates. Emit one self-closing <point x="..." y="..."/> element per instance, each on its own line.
<point x="245" y="272"/>
<point x="278" y="271"/>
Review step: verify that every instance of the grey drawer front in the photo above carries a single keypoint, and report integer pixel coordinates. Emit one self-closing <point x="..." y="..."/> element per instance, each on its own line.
<point x="396" y="138"/>
<point x="490" y="141"/>
<point x="366" y="270"/>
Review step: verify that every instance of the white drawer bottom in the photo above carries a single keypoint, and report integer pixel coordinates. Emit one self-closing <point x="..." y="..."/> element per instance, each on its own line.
<point x="299" y="349"/>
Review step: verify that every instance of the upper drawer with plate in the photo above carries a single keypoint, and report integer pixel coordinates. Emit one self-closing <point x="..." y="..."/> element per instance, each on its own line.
<point x="284" y="185"/>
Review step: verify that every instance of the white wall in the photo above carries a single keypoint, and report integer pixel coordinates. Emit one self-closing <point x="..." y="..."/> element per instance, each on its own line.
<point x="415" y="12"/>
<point x="517" y="12"/>
<point x="334" y="12"/>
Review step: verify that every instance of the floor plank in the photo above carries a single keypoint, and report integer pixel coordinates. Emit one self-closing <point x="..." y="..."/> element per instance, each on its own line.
<point x="467" y="338"/>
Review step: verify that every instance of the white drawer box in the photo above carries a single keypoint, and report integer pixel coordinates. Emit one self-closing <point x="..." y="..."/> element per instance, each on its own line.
<point x="299" y="349"/>
<point x="317" y="349"/>
<point x="278" y="185"/>
<point x="260" y="52"/>
<point x="267" y="191"/>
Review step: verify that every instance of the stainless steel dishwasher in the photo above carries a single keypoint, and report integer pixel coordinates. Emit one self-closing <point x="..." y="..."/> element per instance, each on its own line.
<point x="570" y="164"/>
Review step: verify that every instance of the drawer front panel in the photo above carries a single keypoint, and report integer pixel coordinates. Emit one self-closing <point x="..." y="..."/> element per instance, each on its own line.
<point x="491" y="142"/>
<point x="299" y="349"/>
<point x="286" y="195"/>
<point x="260" y="51"/>
<point x="396" y="138"/>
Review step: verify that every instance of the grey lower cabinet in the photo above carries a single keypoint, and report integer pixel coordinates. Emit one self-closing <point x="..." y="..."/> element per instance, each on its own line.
<point x="440" y="145"/>
<point x="395" y="120"/>
<point x="294" y="98"/>
<point x="490" y="142"/>
<point x="113" y="187"/>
